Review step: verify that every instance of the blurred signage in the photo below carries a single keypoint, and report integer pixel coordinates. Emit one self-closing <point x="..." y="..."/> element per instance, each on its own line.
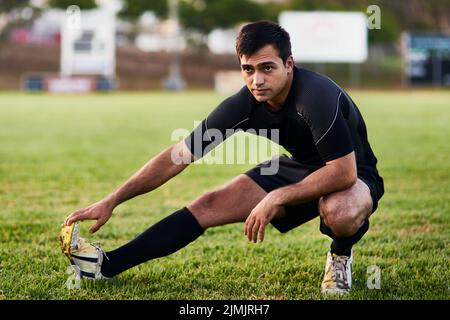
<point x="227" y="82"/>
<point x="427" y="59"/>
<point x="56" y="83"/>
<point x="69" y="84"/>
<point x="222" y="41"/>
<point x="88" y="47"/>
<point x="326" y="36"/>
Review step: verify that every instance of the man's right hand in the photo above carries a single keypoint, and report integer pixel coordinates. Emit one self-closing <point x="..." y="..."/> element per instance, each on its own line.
<point x="100" y="211"/>
<point x="153" y="174"/>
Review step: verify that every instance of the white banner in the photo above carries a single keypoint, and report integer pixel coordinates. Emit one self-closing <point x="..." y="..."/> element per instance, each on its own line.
<point x="326" y="36"/>
<point x="88" y="44"/>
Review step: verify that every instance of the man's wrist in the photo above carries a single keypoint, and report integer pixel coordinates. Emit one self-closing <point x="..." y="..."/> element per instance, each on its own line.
<point x="276" y="197"/>
<point x="111" y="201"/>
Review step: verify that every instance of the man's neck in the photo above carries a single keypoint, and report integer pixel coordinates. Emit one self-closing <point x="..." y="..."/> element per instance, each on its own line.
<point x="277" y="102"/>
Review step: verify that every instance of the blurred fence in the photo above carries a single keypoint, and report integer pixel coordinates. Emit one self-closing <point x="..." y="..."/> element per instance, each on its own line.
<point x="139" y="70"/>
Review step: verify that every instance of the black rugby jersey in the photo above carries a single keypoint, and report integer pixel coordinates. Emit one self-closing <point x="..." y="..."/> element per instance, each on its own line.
<point x="317" y="123"/>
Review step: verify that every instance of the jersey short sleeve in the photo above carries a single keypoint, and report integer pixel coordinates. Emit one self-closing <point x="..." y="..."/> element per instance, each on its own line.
<point x="228" y="117"/>
<point x="322" y="113"/>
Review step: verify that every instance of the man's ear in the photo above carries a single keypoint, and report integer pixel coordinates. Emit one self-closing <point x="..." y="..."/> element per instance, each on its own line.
<point x="290" y="64"/>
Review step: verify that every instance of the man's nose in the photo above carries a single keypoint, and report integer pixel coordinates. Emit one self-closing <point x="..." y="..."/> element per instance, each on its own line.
<point x="258" y="79"/>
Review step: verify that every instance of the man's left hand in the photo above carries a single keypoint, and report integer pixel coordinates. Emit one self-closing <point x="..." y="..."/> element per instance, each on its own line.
<point x="260" y="216"/>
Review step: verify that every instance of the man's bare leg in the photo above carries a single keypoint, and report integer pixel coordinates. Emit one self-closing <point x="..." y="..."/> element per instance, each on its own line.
<point x="344" y="217"/>
<point x="233" y="202"/>
<point x="344" y="212"/>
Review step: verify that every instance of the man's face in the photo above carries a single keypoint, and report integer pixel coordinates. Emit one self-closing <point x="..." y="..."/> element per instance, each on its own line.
<point x="265" y="73"/>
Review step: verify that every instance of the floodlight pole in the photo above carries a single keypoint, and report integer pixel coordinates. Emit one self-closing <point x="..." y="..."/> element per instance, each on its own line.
<point x="355" y="75"/>
<point x="175" y="80"/>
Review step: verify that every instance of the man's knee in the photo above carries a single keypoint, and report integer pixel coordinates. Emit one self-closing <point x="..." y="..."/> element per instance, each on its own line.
<point x="340" y="217"/>
<point x="204" y="205"/>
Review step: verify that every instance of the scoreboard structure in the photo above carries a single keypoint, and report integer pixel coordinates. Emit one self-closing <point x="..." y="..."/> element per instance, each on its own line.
<point x="314" y="33"/>
<point x="89" y="48"/>
<point x="87" y="56"/>
<point x="426" y="59"/>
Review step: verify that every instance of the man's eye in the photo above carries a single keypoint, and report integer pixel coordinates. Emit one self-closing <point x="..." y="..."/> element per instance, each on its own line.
<point x="267" y="68"/>
<point x="248" y="70"/>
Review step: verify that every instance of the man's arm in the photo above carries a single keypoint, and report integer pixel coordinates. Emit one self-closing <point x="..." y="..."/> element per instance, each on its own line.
<point x="336" y="175"/>
<point x="153" y="174"/>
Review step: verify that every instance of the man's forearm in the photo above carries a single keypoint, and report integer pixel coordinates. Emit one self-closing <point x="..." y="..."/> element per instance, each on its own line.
<point x="325" y="180"/>
<point x="152" y="175"/>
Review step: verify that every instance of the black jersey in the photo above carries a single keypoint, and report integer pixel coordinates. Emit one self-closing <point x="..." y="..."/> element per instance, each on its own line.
<point x="318" y="122"/>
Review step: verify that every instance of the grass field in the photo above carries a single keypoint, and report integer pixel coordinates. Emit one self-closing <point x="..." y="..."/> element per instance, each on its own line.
<point x="61" y="153"/>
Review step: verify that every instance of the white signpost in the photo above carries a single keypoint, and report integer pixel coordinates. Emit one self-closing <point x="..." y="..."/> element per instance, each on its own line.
<point x="88" y="47"/>
<point x="88" y="55"/>
<point x="321" y="36"/>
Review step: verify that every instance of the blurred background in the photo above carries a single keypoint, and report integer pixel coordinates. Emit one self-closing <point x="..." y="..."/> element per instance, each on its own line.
<point x="67" y="45"/>
<point x="62" y="152"/>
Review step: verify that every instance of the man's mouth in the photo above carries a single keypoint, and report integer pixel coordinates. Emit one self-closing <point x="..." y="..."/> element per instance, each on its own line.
<point x="260" y="90"/>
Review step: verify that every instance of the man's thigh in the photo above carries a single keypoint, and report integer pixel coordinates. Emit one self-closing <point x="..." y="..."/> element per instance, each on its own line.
<point x="230" y="203"/>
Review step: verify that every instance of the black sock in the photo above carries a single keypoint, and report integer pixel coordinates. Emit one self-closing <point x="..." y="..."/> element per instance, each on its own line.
<point x="163" y="238"/>
<point x="342" y="246"/>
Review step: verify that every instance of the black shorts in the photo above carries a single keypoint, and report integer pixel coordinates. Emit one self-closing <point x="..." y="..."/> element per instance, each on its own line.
<point x="290" y="171"/>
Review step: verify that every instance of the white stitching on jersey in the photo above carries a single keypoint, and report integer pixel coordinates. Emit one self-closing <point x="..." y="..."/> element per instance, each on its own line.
<point x="239" y="123"/>
<point x="207" y="130"/>
<point x="332" y="123"/>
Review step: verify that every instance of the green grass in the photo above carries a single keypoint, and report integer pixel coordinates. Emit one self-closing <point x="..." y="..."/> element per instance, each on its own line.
<point x="61" y="153"/>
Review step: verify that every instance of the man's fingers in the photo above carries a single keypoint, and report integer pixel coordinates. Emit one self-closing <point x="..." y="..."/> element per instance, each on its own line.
<point x="77" y="216"/>
<point x="262" y="228"/>
<point x="248" y="226"/>
<point x="254" y="231"/>
<point x="248" y="231"/>
<point x="253" y="228"/>
<point x="96" y="226"/>
<point x="71" y="219"/>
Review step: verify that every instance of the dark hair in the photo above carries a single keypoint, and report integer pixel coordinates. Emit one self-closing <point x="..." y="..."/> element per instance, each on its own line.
<point x="254" y="36"/>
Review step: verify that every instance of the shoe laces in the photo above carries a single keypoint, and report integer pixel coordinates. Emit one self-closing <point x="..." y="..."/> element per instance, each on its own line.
<point x="339" y="269"/>
<point x="97" y="246"/>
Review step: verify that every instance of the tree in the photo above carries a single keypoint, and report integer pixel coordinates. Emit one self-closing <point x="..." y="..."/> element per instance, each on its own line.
<point x="134" y="8"/>
<point x="200" y="15"/>
<point x="396" y="15"/>
<point x="7" y="5"/>
<point x="64" y="4"/>
<point x="11" y="12"/>
<point x="206" y="15"/>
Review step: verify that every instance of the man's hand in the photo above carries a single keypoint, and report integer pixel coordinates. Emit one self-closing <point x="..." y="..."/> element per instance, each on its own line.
<point x="260" y="216"/>
<point x="100" y="211"/>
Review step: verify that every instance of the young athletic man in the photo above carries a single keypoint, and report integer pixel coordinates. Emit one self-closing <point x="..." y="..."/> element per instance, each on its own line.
<point x="330" y="174"/>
